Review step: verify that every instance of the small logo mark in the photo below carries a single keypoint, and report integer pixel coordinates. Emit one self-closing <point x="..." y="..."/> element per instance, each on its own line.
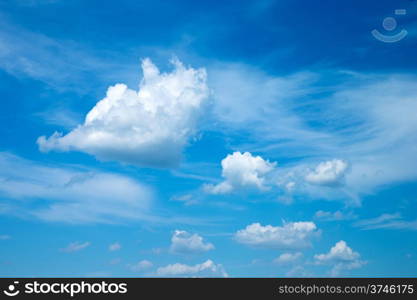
<point x="11" y="289"/>
<point x="390" y="24"/>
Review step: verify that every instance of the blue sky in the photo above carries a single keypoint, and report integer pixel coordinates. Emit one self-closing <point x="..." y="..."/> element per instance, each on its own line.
<point x="203" y="138"/>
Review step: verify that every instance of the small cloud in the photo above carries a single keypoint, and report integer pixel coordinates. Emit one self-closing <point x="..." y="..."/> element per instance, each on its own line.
<point x="5" y="237"/>
<point x="205" y="269"/>
<point x="333" y="216"/>
<point x="290" y="186"/>
<point x="114" y="247"/>
<point x="328" y="173"/>
<point x="141" y="265"/>
<point x="342" y="257"/>
<point x="293" y="235"/>
<point x="288" y="258"/>
<point x="242" y="170"/>
<point x="115" y="261"/>
<point x="256" y="261"/>
<point x="183" y="242"/>
<point x="187" y="199"/>
<point x="285" y="199"/>
<point x="157" y="251"/>
<point x="76" y="246"/>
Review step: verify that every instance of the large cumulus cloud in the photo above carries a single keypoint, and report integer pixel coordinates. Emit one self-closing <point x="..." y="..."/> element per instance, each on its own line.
<point x="148" y="127"/>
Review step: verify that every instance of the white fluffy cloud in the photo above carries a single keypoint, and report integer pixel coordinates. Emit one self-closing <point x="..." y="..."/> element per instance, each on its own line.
<point x="242" y="170"/>
<point x="328" y="173"/>
<point x="287" y="258"/>
<point x="76" y="246"/>
<point x="184" y="242"/>
<point x="339" y="252"/>
<point x="367" y="119"/>
<point x="205" y="269"/>
<point x="70" y="194"/>
<point x="342" y="257"/>
<point x="292" y="235"/>
<point x="148" y="127"/>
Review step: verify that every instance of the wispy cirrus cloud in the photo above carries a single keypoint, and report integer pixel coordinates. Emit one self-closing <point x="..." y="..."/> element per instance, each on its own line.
<point x="76" y="246"/>
<point x="70" y="194"/>
<point x="387" y="221"/>
<point x="76" y="194"/>
<point x="60" y="64"/>
<point x="338" y="215"/>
